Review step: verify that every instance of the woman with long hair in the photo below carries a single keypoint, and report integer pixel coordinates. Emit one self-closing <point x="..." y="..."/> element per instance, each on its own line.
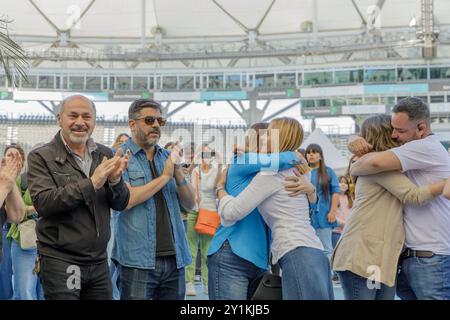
<point x="367" y="254"/>
<point x="203" y="179"/>
<point x="305" y="268"/>
<point x="237" y="256"/>
<point x="323" y="213"/>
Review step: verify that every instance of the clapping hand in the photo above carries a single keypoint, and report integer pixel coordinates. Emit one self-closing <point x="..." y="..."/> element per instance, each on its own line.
<point x="121" y="164"/>
<point x="9" y="170"/>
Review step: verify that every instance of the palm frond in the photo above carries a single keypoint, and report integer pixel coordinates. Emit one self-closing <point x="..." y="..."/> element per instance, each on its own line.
<point x="12" y="56"/>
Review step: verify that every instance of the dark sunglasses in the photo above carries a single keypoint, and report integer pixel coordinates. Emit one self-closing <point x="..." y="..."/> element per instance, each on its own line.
<point x="150" y="120"/>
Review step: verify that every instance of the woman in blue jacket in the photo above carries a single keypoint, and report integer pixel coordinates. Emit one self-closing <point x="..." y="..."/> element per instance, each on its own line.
<point x="237" y="256"/>
<point x="323" y="216"/>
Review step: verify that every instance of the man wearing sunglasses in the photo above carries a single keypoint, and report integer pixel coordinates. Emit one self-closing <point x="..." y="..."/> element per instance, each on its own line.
<point x="151" y="248"/>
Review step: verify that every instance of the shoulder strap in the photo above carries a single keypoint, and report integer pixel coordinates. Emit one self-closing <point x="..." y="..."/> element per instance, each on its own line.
<point x="197" y="178"/>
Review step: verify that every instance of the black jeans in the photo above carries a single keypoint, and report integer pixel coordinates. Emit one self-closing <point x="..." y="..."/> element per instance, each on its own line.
<point x="62" y="280"/>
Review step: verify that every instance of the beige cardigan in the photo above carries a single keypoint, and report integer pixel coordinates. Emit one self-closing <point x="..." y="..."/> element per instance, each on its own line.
<point x="374" y="234"/>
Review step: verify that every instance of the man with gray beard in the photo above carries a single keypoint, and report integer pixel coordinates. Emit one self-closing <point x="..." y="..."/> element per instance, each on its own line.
<point x="150" y="248"/>
<point x="74" y="183"/>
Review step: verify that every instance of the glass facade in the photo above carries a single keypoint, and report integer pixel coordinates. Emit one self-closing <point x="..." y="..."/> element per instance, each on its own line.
<point x="440" y="73"/>
<point x="411" y="74"/>
<point x="3" y="81"/>
<point x="308" y="103"/>
<point x="76" y="82"/>
<point x="215" y="82"/>
<point x="169" y="82"/>
<point x="286" y="80"/>
<point x="186" y="82"/>
<point x="349" y="76"/>
<point x="233" y="81"/>
<point x="93" y="83"/>
<point x="318" y="78"/>
<point x="140" y="83"/>
<point x="408" y="77"/>
<point x="46" y="82"/>
<point x="31" y="82"/>
<point x="264" y="80"/>
<point x="379" y="75"/>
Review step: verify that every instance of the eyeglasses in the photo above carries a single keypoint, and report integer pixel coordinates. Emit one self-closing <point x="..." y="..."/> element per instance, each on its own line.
<point x="150" y="120"/>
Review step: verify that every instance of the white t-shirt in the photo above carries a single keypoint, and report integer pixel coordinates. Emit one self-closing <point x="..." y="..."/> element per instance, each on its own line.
<point x="427" y="227"/>
<point x="287" y="217"/>
<point x="207" y="188"/>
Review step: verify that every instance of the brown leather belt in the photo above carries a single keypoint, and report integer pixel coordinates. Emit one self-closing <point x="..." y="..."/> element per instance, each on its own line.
<point x="408" y="253"/>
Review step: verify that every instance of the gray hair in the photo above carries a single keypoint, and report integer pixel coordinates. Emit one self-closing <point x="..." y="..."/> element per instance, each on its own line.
<point x="414" y="107"/>
<point x="60" y="107"/>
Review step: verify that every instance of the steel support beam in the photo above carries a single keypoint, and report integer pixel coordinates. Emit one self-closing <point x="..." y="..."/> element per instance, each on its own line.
<point x="289" y="106"/>
<point x="184" y="105"/>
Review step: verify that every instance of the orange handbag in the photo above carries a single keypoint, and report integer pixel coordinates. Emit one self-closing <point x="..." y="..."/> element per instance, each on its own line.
<point x="207" y="221"/>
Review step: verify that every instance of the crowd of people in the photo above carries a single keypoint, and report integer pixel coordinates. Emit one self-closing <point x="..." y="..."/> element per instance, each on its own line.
<point x="82" y="221"/>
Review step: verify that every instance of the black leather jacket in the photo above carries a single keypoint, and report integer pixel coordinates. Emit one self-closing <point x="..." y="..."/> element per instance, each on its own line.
<point x="74" y="219"/>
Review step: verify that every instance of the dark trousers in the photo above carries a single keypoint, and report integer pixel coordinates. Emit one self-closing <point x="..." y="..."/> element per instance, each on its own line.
<point x="161" y="283"/>
<point x="62" y="280"/>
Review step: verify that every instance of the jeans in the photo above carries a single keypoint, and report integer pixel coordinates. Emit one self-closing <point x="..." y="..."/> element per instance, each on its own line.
<point x="306" y="275"/>
<point x="356" y="287"/>
<point x="335" y="238"/>
<point x="424" y="278"/>
<point x="324" y="235"/>
<point x="161" y="283"/>
<point x="194" y="238"/>
<point x="112" y="267"/>
<point x="230" y="276"/>
<point x="6" y="273"/>
<point x="62" y="280"/>
<point x="26" y="283"/>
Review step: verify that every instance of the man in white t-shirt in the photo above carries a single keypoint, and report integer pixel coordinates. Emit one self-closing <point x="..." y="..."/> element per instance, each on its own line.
<point x="425" y="262"/>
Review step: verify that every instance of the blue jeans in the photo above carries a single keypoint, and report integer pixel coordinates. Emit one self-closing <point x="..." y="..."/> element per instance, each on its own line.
<point x="112" y="267"/>
<point x="26" y="283"/>
<point x="306" y="275"/>
<point x="6" y="273"/>
<point x="356" y="287"/>
<point x="231" y="277"/>
<point x="324" y="235"/>
<point x="335" y="238"/>
<point x="161" y="283"/>
<point x="424" y="278"/>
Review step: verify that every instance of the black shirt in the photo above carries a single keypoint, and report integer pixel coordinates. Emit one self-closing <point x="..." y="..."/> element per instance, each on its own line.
<point x="2" y="222"/>
<point x="164" y="237"/>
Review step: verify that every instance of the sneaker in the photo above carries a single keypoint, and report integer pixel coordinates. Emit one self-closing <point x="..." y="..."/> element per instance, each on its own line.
<point x="190" y="289"/>
<point x="198" y="278"/>
<point x="336" y="279"/>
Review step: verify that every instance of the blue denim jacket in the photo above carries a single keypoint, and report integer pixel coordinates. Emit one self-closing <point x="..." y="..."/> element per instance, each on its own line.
<point x="135" y="229"/>
<point x="247" y="237"/>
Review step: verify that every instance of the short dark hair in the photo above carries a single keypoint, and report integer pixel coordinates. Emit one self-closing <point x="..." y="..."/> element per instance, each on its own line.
<point x="139" y="104"/>
<point x="414" y="107"/>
